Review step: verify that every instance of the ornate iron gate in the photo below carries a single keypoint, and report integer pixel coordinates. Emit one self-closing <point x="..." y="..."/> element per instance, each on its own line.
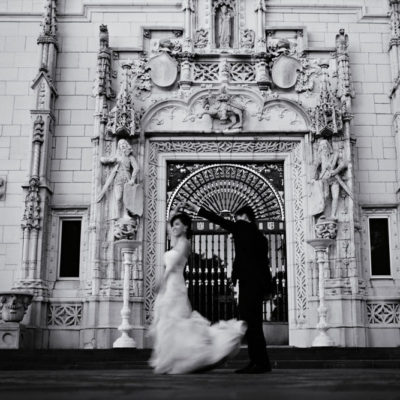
<point x="224" y="188"/>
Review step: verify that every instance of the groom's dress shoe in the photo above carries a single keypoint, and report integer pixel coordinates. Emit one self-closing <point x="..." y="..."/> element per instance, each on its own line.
<point x="254" y="369"/>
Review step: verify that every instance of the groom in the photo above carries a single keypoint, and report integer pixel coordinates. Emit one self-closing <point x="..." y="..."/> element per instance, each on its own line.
<point x="251" y="269"/>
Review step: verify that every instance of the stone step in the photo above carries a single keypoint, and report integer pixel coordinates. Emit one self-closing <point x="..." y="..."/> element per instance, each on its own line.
<point x="281" y="357"/>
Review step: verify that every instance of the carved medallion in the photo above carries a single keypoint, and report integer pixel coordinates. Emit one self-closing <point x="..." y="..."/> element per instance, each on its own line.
<point x="284" y="71"/>
<point x="164" y="70"/>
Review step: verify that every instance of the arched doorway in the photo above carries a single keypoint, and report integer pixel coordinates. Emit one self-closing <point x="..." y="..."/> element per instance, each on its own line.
<point x="224" y="188"/>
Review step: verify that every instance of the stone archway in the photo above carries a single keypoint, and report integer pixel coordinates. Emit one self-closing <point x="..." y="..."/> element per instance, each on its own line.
<point x="290" y="151"/>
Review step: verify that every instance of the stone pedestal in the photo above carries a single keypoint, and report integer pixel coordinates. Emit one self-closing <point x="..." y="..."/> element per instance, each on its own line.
<point x="13" y="306"/>
<point x="128" y="250"/>
<point x="321" y="247"/>
<point x="11" y="335"/>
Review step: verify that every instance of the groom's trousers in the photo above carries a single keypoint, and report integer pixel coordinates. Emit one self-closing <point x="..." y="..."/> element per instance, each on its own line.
<point x="251" y="311"/>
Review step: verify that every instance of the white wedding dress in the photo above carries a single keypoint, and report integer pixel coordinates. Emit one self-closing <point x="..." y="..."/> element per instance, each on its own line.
<point x="184" y="341"/>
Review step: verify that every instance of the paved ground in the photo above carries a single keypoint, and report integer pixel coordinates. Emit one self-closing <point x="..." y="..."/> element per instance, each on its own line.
<point x="324" y="384"/>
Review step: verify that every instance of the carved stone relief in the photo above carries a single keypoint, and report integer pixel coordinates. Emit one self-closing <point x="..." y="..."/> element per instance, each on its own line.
<point x="247" y="39"/>
<point x="201" y="38"/>
<point x="223" y="108"/>
<point x="64" y="315"/>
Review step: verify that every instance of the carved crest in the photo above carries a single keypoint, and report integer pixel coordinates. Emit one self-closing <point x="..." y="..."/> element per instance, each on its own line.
<point x="285" y="71"/>
<point x="164" y="69"/>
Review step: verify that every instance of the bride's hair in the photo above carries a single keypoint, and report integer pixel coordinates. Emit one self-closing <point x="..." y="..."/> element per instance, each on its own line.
<point x="186" y="220"/>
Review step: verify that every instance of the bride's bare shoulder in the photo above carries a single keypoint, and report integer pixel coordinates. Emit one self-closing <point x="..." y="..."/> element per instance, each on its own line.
<point x="184" y="245"/>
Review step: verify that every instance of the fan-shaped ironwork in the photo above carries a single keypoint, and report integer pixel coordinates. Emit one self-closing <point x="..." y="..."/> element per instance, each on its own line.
<point x="224" y="188"/>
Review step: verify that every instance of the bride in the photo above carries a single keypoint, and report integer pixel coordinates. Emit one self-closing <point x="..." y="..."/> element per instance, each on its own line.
<point x="184" y="341"/>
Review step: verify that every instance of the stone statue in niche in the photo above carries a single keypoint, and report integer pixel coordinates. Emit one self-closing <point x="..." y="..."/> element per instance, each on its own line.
<point x="128" y="195"/>
<point x="225" y="29"/>
<point x="328" y="166"/>
<point x="223" y="108"/>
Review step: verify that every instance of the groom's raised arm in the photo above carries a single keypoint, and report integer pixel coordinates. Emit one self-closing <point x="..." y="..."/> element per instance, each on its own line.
<point x="230" y="226"/>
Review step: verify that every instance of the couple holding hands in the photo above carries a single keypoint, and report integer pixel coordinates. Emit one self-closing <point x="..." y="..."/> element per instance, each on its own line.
<point x="185" y="341"/>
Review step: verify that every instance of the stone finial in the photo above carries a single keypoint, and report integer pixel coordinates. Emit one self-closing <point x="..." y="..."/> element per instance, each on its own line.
<point x="345" y="89"/>
<point x="261" y="5"/>
<point x="327" y="116"/>
<point x="342" y="42"/>
<point x="103" y="37"/>
<point x="394" y="19"/>
<point x="122" y="117"/>
<point x="103" y="79"/>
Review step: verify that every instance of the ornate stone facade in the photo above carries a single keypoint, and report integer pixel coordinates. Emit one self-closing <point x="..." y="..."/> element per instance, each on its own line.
<point x="215" y="81"/>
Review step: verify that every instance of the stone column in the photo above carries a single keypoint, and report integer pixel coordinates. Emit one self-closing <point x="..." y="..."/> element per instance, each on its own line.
<point x="394" y="55"/>
<point x="185" y="81"/>
<point x="103" y="93"/>
<point x="321" y="247"/>
<point x="38" y="192"/>
<point x="260" y="43"/>
<point x="128" y="250"/>
<point x="188" y="10"/>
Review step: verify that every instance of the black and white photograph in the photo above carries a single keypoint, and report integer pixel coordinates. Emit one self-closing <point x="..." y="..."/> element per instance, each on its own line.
<point x="199" y="199"/>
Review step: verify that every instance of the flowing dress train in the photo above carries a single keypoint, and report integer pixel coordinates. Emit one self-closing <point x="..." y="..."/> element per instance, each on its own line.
<point x="184" y="341"/>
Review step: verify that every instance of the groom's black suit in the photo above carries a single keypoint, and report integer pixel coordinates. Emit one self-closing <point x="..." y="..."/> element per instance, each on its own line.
<point x="251" y="268"/>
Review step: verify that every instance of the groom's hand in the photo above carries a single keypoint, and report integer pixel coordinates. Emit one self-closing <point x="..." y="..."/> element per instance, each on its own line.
<point x="192" y="207"/>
